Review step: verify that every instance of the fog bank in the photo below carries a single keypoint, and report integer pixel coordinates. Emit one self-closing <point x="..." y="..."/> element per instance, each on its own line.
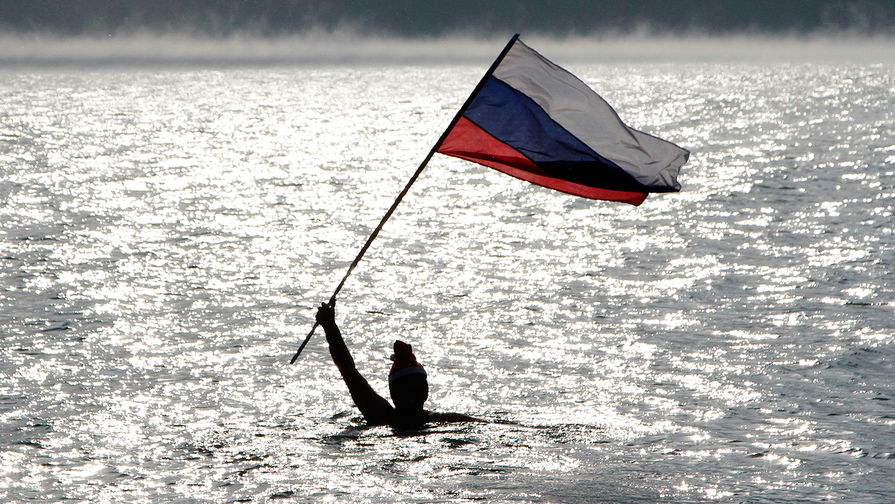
<point x="318" y="47"/>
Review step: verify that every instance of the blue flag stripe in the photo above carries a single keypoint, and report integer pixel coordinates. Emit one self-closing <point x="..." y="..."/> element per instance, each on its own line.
<point x="515" y="119"/>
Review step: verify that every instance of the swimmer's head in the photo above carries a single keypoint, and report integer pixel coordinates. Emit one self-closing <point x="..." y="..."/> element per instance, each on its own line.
<point x="407" y="381"/>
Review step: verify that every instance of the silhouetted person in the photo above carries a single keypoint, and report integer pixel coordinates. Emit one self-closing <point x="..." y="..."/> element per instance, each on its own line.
<point x="407" y="383"/>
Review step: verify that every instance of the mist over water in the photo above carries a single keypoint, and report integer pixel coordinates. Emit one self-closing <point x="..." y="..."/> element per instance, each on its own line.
<point x="173" y="210"/>
<point x="351" y="47"/>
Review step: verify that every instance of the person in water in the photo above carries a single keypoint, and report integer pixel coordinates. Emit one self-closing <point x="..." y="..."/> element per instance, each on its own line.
<point x="407" y="383"/>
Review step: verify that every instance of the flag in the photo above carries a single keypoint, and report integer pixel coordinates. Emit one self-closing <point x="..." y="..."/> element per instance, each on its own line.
<point x="534" y="120"/>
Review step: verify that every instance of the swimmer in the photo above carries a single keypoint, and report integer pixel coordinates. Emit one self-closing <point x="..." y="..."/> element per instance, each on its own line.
<point x="407" y="383"/>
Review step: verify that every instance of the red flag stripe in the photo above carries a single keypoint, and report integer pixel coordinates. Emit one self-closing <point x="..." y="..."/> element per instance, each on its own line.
<point x="467" y="141"/>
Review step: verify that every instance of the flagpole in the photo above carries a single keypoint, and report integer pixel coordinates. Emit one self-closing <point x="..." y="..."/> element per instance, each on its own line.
<point x="410" y="182"/>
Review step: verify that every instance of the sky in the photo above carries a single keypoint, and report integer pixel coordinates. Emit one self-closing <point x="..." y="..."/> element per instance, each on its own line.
<point x="420" y="18"/>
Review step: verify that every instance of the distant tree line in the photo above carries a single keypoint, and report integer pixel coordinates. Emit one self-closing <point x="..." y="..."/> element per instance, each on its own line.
<point x="424" y="18"/>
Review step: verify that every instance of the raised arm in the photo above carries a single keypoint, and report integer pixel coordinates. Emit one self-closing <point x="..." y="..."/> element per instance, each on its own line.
<point x="375" y="409"/>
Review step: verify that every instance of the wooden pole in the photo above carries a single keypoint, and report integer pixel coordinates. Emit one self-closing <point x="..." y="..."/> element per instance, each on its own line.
<point x="410" y="182"/>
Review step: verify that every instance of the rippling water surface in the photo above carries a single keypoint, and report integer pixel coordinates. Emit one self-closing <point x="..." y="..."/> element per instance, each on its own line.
<point x="166" y="232"/>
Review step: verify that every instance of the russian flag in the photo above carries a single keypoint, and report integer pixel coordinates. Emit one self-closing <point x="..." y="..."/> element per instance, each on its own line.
<point x="534" y="120"/>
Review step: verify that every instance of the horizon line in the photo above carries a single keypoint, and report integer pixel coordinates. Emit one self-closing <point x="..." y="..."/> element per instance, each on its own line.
<point x="322" y="47"/>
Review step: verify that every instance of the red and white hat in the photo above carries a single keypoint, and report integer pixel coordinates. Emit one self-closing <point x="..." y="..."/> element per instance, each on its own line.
<point x="405" y="363"/>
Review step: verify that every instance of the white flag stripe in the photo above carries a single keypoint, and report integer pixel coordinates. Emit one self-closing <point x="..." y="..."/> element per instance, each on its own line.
<point x="576" y="107"/>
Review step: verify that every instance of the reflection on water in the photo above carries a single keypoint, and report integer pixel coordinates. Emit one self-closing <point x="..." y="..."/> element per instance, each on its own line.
<point x="166" y="233"/>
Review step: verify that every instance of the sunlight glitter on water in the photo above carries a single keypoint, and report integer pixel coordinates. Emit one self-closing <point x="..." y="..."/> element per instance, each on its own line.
<point x="165" y="242"/>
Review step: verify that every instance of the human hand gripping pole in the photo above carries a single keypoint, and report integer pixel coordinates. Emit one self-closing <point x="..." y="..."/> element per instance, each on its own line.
<point x="331" y="305"/>
<point x="416" y="174"/>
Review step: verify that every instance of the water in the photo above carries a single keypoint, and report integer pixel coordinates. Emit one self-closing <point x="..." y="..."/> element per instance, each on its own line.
<point x="167" y="231"/>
